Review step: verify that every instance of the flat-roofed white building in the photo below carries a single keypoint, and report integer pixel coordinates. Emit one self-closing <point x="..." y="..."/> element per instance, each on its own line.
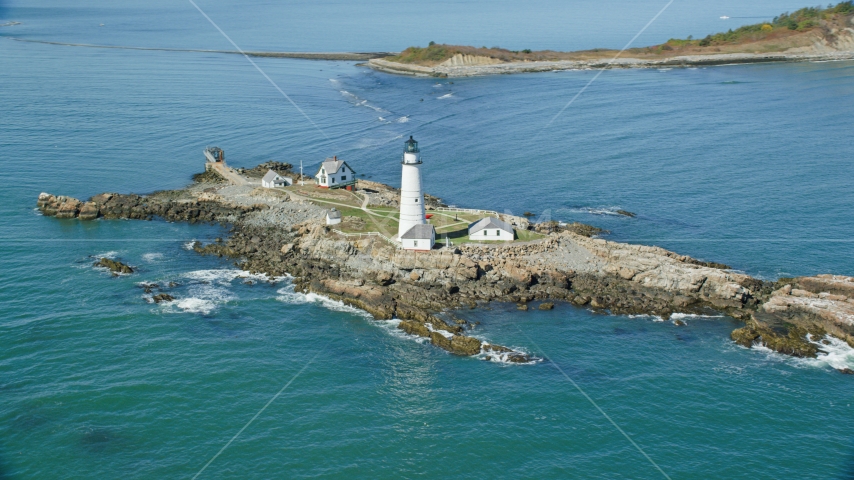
<point x="491" y="228"/>
<point x="419" y="237"/>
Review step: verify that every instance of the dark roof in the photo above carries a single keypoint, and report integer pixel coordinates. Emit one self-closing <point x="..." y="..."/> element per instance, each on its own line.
<point x="411" y="145"/>
<point x="333" y="213"/>
<point x="424" y="230"/>
<point x="489" y="222"/>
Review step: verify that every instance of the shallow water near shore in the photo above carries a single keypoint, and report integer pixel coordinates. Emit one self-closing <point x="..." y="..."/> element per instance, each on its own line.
<point x="746" y="165"/>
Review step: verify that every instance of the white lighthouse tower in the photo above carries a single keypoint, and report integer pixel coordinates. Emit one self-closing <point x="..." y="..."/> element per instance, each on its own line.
<point x="411" y="195"/>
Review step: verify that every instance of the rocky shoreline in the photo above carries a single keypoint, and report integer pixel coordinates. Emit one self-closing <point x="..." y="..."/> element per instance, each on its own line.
<point x="474" y="68"/>
<point x="276" y="234"/>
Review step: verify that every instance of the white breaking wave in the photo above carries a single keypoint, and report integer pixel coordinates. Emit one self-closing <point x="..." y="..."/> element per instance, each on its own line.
<point x="447" y="95"/>
<point x="213" y="291"/>
<point x="504" y="357"/>
<point x="202" y="299"/>
<point x="597" y="210"/>
<point x="224" y="276"/>
<point x="194" y="305"/>
<point x="189" y="245"/>
<point x="152" y="257"/>
<point x="112" y="254"/>
<point x="835" y="353"/>
<point x="654" y="318"/>
<point x="403" y="119"/>
<point x="361" y="102"/>
<point x="692" y="316"/>
<point x="443" y="333"/>
<point x="390" y="327"/>
<point x="682" y="316"/>
<point x="288" y="295"/>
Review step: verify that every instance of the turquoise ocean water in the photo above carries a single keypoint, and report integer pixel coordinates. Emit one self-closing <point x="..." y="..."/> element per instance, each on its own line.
<point x="746" y="165"/>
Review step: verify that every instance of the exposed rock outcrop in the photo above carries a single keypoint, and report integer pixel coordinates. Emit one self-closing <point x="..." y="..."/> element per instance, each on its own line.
<point x="463" y="60"/>
<point x="270" y="234"/>
<point x="813" y="306"/>
<point x="114" y="266"/>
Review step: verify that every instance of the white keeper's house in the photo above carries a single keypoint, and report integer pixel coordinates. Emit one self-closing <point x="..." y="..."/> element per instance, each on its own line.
<point x="419" y="237"/>
<point x="335" y="173"/>
<point x="491" y="228"/>
<point x="272" y="180"/>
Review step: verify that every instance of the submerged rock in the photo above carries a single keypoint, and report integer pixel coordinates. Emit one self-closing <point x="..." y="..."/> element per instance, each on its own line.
<point x="114" y="266"/>
<point x="162" y="297"/>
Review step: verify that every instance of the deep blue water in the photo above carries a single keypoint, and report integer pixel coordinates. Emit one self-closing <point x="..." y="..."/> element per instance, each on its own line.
<point x="747" y="165"/>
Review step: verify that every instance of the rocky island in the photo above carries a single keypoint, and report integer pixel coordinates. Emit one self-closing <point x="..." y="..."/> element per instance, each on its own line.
<point x="282" y="231"/>
<point x="808" y="34"/>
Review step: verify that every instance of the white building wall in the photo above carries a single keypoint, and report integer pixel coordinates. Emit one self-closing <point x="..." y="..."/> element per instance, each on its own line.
<point x="411" y="195"/>
<point x="417" y="244"/>
<point x="281" y="182"/>
<point x="495" y="234"/>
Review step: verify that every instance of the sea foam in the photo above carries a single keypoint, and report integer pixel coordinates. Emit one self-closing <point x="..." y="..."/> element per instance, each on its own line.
<point x="288" y="295"/>
<point x="833" y="353"/>
<point x="152" y="257"/>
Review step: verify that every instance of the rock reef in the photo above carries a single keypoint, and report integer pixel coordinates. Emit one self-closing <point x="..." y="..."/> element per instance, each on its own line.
<point x="272" y="234"/>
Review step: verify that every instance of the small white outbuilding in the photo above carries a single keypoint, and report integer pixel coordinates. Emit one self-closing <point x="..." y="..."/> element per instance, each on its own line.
<point x="491" y="228"/>
<point x="420" y="237"/>
<point x="273" y="180"/>
<point x="333" y="217"/>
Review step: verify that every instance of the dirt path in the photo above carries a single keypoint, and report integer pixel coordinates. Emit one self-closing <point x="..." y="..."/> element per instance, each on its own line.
<point x="229" y="174"/>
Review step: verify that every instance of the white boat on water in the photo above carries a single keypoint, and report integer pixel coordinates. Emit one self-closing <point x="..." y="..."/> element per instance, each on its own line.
<point x="724" y="17"/>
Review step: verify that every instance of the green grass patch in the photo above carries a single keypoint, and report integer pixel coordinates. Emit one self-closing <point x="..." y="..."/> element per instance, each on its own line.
<point x="799" y="20"/>
<point x="528" y="235"/>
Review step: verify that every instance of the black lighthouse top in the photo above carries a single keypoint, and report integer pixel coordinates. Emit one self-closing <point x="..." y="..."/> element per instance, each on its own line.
<point x="411" y="146"/>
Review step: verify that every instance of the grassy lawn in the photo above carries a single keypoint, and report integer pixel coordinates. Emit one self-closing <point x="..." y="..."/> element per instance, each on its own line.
<point x="527" y="236"/>
<point x="459" y="236"/>
<point x="327" y="195"/>
<point x="355" y="220"/>
<point x="453" y="225"/>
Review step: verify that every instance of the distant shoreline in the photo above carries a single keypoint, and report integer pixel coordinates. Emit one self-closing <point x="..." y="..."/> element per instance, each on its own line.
<point x="304" y="55"/>
<point x="378" y="60"/>
<point x="808" y="34"/>
<point x="452" y="71"/>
